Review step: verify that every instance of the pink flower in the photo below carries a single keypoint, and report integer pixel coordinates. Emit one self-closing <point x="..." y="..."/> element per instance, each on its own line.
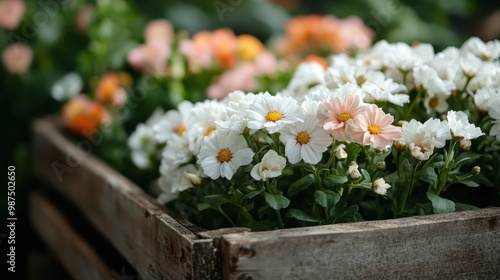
<point x="159" y="30"/>
<point x="374" y="128"/>
<point x="196" y="52"/>
<point x="11" y="13"/>
<point x="84" y="17"/>
<point x="340" y="112"/>
<point x="266" y="63"/>
<point x="240" y="78"/>
<point x="17" y="58"/>
<point x="153" y="55"/>
<point x="358" y="35"/>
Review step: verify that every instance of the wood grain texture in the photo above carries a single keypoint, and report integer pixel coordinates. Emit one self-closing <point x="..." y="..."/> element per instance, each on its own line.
<point x="74" y="253"/>
<point x="153" y="242"/>
<point x="462" y="245"/>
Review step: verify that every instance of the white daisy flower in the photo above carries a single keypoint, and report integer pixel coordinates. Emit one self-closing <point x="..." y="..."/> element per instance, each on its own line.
<point x="485" y="51"/>
<point x="222" y="154"/>
<point x="446" y="63"/>
<point x="143" y="146"/>
<point x="374" y="93"/>
<point x="460" y="126"/>
<point x="495" y="129"/>
<point x="419" y="143"/>
<point x="484" y="97"/>
<point x="236" y="124"/>
<point x="305" y="141"/>
<point x="142" y="142"/>
<point x="270" y="166"/>
<point x="173" y="123"/>
<point x="175" y="154"/>
<point x="428" y="79"/>
<point x="436" y="103"/>
<point x="273" y="112"/>
<point x="421" y="139"/>
<point x="201" y="122"/>
<point x="343" y="71"/>
<point x="307" y="75"/>
<point x="181" y="179"/>
<point x="438" y="130"/>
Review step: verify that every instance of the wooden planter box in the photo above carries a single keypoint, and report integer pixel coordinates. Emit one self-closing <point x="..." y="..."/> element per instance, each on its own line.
<point x="463" y="245"/>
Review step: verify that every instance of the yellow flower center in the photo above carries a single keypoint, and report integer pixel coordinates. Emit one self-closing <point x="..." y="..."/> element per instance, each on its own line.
<point x="344" y="117"/>
<point x="209" y="130"/>
<point x="274" y="116"/>
<point x="224" y="155"/>
<point x="303" y="138"/>
<point x="374" y="129"/>
<point x="433" y="102"/>
<point x="180" y="130"/>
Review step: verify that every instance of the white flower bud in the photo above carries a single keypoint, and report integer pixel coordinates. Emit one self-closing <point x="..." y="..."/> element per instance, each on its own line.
<point x="353" y="171"/>
<point x="465" y="145"/>
<point x="380" y="186"/>
<point x="340" y="153"/>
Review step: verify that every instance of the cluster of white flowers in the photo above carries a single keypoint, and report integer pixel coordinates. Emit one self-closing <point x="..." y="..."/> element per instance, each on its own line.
<point x="207" y="139"/>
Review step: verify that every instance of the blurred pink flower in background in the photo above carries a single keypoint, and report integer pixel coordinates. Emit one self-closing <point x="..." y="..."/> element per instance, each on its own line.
<point x="198" y="49"/>
<point x="240" y="78"/>
<point x="266" y="63"/>
<point x="84" y="17"/>
<point x="357" y="34"/>
<point x="153" y="55"/>
<point x="17" y="58"/>
<point x="11" y="13"/>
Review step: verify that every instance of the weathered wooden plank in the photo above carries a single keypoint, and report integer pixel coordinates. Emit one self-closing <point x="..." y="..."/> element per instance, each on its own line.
<point x="74" y="253"/>
<point x="153" y="242"/>
<point x="462" y="245"/>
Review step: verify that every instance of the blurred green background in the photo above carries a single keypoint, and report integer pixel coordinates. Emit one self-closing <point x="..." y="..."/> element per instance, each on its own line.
<point x="53" y="29"/>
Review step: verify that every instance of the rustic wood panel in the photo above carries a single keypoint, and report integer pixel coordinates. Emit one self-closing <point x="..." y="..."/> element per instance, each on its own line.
<point x="462" y="245"/>
<point x="157" y="245"/>
<point x="78" y="257"/>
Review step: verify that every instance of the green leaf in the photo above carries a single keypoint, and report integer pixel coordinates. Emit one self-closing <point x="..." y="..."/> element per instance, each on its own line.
<point x="440" y="205"/>
<point x="276" y="201"/>
<point x="464" y="207"/>
<point x="215" y="200"/>
<point x="299" y="215"/>
<point x="251" y="195"/>
<point x="471" y="184"/>
<point x="204" y="206"/>
<point x="405" y="169"/>
<point x="321" y="198"/>
<point x="352" y="151"/>
<point x="333" y="180"/>
<point x="344" y="214"/>
<point x="286" y="172"/>
<point x="333" y="197"/>
<point x="366" y="175"/>
<point x="429" y="176"/>
<point x="301" y="184"/>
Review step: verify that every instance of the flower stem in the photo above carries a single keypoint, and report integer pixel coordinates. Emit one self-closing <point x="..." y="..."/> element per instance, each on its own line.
<point x="280" y="220"/>
<point x="443" y="175"/>
<point x="225" y="216"/>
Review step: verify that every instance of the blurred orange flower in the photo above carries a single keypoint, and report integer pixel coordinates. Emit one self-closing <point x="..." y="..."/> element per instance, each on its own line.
<point x="83" y="116"/>
<point x="249" y="47"/>
<point x="323" y="35"/>
<point x="314" y="58"/>
<point x="110" y="91"/>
